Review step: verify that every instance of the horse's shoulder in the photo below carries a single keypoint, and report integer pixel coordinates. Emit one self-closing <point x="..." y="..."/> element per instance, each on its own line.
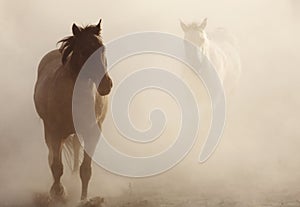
<point x="53" y="57"/>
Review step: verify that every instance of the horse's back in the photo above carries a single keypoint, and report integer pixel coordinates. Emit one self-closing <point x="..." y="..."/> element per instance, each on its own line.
<point x="47" y="69"/>
<point x="224" y="55"/>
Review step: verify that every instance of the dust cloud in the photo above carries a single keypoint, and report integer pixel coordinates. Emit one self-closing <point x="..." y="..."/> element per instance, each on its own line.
<point x="258" y="157"/>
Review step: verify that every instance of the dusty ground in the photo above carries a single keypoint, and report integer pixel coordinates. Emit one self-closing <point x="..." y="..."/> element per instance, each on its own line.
<point x="268" y="200"/>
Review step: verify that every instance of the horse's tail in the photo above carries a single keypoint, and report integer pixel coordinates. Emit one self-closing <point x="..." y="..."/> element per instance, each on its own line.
<point x="73" y="152"/>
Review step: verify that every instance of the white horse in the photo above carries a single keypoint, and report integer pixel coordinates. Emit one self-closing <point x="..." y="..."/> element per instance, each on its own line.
<point x="220" y="51"/>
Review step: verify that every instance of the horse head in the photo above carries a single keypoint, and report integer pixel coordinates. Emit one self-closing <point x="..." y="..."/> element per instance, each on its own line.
<point x="195" y="32"/>
<point x="83" y="44"/>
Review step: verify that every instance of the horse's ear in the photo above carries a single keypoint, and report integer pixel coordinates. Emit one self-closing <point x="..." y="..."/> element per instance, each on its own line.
<point x="99" y="24"/>
<point x="75" y="29"/>
<point x="98" y="27"/>
<point x="203" y="24"/>
<point x="184" y="27"/>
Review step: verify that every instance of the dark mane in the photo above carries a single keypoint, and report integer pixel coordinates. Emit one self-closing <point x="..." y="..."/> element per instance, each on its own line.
<point x="68" y="43"/>
<point x="66" y="48"/>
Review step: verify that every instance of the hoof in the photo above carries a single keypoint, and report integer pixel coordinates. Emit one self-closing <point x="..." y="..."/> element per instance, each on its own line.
<point x="57" y="192"/>
<point x="93" y="202"/>
<point x="41" y="200"/>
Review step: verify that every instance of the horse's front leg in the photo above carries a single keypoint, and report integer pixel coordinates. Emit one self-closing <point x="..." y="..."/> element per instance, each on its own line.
<point x="85" y="175"/>
<point x="90" y="143"/>
<point x="57" y="191"/>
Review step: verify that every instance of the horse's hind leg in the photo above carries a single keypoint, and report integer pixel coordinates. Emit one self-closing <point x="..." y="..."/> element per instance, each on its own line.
<point x="50" y="153"/>
<point x="76" y="147"/>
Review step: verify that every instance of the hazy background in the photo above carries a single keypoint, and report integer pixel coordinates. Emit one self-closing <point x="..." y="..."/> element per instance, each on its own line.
<point x="259" y="154"/>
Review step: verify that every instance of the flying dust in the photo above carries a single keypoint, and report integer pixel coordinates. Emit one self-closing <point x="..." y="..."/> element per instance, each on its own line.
<point x="257" y="161"/>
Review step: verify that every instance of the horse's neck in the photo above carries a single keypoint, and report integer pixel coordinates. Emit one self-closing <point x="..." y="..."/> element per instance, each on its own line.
<point x="202" y="48"/>
<point x="76" y="63"/>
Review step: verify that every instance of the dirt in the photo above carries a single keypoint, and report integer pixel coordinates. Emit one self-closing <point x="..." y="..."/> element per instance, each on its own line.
<point x="43" y="200"/>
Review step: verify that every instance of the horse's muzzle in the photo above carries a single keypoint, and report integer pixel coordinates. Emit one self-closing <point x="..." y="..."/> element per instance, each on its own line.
<point x="105" y="85"/>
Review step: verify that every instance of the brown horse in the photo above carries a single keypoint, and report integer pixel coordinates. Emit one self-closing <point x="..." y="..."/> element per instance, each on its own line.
<point x="57" y="74"/>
